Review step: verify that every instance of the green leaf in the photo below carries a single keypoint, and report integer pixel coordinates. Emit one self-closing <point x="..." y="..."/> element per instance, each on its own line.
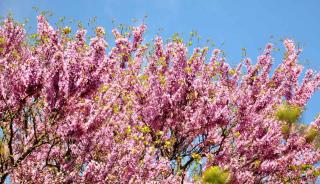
<point x="215" y="175"/>
<point x="311" y="134"/>
<point x="288" y="113"/>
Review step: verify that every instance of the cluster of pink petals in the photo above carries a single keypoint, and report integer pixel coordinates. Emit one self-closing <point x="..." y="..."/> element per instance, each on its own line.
<point x="73" y="113"/>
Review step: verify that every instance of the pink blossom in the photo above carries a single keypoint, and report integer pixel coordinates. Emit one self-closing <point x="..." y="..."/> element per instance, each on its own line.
<point x="76" y="111"/>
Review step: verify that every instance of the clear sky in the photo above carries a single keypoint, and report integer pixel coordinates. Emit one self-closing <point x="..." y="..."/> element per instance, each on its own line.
<point x="232" y="25"/>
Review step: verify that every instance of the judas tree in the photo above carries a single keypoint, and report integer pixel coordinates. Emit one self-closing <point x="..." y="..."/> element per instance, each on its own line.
<point x="76" y="111"/>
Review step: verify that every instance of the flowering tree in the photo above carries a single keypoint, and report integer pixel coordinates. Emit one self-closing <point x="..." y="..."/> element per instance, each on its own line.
<point x="73" y="113"/>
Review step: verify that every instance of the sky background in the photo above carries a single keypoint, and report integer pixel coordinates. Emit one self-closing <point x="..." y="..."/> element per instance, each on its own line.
<point x="232" y="25"/>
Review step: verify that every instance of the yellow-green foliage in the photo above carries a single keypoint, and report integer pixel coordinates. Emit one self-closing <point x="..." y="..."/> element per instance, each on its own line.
<point x="216" y="175"/>
<point x="311" y="134"/>
<point x="196" y="157"/>
<point x="2" y="40"/>
<point x="288" y="113"/>
<point x="4" y="150"/>
<point x="145" y="129"/>
<point x="285" y="129"/>
<point x="316" y="173"/>
<point x="66" y="30"/>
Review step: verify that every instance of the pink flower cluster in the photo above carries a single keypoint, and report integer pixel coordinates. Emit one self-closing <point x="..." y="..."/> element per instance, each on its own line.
<point x="71" y="112"/>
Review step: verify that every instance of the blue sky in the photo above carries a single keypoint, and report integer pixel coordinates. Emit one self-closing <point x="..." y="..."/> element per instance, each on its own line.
<point x="232" y="25"/>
